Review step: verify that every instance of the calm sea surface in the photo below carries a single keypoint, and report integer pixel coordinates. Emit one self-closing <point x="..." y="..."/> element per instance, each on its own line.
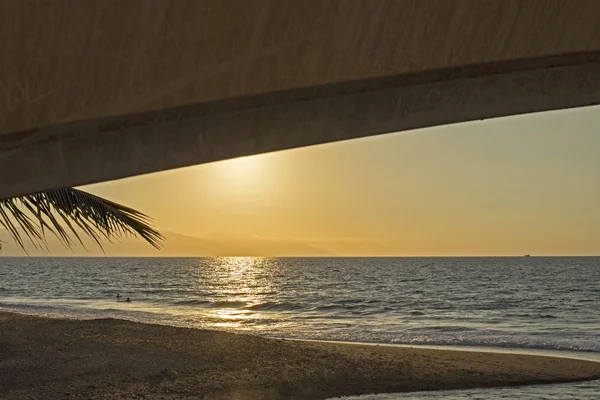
<point x="530" y="304"/>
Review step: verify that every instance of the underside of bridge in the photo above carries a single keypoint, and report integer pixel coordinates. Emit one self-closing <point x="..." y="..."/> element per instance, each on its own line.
<point x="103" y="89"/>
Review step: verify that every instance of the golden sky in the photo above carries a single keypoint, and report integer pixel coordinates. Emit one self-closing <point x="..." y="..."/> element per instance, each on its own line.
<point x="510" y="186"/>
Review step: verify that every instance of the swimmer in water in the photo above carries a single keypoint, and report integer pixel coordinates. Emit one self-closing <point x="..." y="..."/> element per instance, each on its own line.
<point x="128" y="300"/>
<point x="118" y="295"/>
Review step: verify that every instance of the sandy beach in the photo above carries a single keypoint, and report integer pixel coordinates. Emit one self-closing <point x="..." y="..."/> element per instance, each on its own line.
<point x="43" y="358"/>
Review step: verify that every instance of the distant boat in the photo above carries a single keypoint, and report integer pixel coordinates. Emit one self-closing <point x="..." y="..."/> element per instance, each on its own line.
<point x="526" y="255"/>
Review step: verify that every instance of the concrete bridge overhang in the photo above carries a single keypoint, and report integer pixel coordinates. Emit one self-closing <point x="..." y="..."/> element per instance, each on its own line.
<point x="99" y="90"/>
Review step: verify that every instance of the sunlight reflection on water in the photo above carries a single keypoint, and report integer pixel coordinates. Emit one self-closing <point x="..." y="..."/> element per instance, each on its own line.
<point x="532" y="302"/>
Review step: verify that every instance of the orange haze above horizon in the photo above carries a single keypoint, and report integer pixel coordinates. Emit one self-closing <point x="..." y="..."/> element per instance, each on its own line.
<point x="509" y="186"/>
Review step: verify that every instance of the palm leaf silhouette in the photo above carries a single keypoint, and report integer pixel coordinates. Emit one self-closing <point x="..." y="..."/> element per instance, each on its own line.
<point x="65" y="211"/>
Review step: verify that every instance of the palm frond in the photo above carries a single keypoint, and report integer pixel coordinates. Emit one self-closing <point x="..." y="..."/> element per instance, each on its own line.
<point x="65" y="211"/>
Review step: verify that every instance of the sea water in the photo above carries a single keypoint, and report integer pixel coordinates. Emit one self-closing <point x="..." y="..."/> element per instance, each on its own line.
<point x="528" y="304"/>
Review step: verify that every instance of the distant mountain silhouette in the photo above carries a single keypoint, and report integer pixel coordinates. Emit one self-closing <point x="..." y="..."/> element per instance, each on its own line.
<point x="175" y="244"/>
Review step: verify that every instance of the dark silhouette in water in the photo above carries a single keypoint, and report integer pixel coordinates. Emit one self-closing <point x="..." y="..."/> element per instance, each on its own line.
<point x="128" y="300"/>
<point x="118" y="295"/>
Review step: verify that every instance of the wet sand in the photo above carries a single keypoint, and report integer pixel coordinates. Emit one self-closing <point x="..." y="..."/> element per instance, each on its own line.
<point x="43" y="358"/>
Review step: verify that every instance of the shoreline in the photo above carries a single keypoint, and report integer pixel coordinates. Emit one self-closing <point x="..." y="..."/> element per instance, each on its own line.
<point x="579" y="354"/>
<point x="110" y="358"/>
<point x="531" y="351"/>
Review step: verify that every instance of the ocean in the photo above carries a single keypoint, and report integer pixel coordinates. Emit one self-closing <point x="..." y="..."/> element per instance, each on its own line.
<point x="542" y="305"/>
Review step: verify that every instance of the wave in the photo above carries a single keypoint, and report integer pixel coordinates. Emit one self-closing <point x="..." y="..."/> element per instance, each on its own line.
<point x="241" y="305"/>
<point x="341" y="307"/>
<point x="212" y="304"/>
<point x="274" y="306"/>
<point x="191" y="302"/>
<point x="499" y="343"/>
<point x="442" y="328"/>
<point x="166" y="291"/>
<point x="525" y="315"/>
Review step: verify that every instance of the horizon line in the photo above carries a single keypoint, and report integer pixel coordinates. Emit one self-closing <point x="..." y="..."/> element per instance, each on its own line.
<point x="305" y="256"/>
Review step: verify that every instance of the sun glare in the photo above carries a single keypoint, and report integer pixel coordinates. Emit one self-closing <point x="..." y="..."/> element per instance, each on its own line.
<point x="242" y="167"/>
<point x="244" y="175"/>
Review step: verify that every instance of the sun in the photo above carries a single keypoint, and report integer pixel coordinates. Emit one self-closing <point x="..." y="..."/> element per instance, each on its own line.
<point x="242" y="166"/>
<point x="239" y="182"/>
<point x="243" y="173"/>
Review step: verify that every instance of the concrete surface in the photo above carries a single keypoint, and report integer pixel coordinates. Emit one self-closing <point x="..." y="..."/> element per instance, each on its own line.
<point x="103" y="89"/>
